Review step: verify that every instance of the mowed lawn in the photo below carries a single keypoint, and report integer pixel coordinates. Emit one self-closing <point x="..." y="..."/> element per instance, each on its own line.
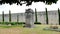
<point x="38" y="29"/>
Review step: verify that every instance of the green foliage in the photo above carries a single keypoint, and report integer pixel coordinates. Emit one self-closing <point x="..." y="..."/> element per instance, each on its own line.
<point x="5" y="23"/>
<point x="21" y="23"/>
<point x="12" y="23"/>
<point x="16" y="23"/>
<point x="49" y="2"/>
<point x="27" y="2"/>
<point x="37" y="23"/>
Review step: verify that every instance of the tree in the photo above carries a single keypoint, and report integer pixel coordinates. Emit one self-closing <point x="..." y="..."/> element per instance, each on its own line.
<point x="9" y="16"/>
<point x="17" y="18"/>
<point x="46" y="16"/>
<point x="3" y="16"/>
<point x="59" y="15"/>
<point x="35" y="15"/>
<point x="27" y="2"/>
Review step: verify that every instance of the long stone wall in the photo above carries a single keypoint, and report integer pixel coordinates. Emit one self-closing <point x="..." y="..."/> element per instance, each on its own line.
<point x="52" y="17"/>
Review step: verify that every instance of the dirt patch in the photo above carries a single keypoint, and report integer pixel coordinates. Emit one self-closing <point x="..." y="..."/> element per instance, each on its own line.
<point x="11" y="31"/>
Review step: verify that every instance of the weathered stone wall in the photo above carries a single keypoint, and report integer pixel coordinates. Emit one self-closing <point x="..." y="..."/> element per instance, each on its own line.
<point x="52" y="16"/>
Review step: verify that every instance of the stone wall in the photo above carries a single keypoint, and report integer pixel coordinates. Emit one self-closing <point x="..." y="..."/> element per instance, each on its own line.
<point x="52" y="16"/>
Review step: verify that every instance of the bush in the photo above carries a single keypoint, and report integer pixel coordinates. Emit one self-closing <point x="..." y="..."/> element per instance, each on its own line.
<point x="37" y="23"/>
<point x="21" y="23"/>
<point x="4" y="23"/>
<point x="12" y="23"/>
<point x="0" y="22"/>
<point x="15" y="23"/>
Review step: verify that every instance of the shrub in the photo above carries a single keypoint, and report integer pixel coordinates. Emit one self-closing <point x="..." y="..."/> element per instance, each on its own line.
<point x="0" y="22"/>
<point x="21" y="23"/>
<point x="37" y="23"/>
<point x="6" y="23"/>
<point x="13" y="23"/>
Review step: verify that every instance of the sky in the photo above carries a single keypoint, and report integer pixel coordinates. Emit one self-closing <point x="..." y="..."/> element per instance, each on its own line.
<point x="40" y="6"/>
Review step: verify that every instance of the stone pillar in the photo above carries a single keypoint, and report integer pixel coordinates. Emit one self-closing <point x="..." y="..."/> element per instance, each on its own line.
<point x="29" y="18"/>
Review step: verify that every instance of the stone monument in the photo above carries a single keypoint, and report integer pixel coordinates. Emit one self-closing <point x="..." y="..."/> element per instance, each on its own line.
<point x="29" y="18"/>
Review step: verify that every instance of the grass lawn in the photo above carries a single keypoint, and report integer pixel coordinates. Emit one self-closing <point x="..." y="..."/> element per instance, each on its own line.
<point x="21" y="30"/>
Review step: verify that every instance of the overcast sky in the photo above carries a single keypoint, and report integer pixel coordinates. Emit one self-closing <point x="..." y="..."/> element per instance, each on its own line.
<point x="40" y="6"/>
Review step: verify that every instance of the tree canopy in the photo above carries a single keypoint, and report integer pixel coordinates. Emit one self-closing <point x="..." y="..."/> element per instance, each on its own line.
<point x="27" y="2"/>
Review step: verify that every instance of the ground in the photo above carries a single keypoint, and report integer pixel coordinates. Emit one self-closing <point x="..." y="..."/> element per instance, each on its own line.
<point x="38" y="29"/>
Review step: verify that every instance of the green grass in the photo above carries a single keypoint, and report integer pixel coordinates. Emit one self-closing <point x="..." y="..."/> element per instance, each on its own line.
<point x="12" y="26"/>
<point x="38" y="29"/>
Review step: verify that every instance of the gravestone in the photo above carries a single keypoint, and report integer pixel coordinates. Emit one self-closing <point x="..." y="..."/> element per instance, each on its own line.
<point x="29" y="18"/>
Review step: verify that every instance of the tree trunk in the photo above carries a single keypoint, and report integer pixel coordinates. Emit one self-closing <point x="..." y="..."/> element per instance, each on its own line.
<point x="46" y="16"/>
<point x="59" y="15"/>
<point x="9" y="16"/>
<point x="36" y="15"/>
<point x="17" y="18"/>
<point x="3" y="16"/>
